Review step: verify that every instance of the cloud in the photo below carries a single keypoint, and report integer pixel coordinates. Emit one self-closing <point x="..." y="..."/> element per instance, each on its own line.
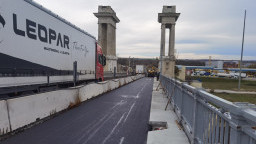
<point x="214" y="56"/>
<point x="204" y="27"/>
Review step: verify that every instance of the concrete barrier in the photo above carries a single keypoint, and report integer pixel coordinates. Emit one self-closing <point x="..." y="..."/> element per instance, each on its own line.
<point x="90" y="91"/>
<point x="113" y="84"/>
<point x="26" y="110"/>
<point x="133" y="78"/>
<point x="105" y="86"/>
<point x="4" y="120"/>
<point x="129" y="79"/>
<point x="121" y="81"/>
<point x="140" y="76"/>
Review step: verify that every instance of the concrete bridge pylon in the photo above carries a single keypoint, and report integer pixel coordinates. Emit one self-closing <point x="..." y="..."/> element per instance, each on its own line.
<point x="107" y="20"/>
<point x="168" y="19"/>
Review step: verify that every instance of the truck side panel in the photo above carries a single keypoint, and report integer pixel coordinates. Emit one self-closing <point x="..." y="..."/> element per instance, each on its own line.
<point x="34" y="35"/>
<point x="33" y="38"/>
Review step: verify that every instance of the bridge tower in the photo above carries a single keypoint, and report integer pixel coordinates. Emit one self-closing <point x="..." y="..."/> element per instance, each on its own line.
<point x="107" y="20"/>
<point x="168" y="19"/>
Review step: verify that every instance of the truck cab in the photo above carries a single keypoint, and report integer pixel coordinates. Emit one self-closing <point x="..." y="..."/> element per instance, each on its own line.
<point x="100" y="63"/>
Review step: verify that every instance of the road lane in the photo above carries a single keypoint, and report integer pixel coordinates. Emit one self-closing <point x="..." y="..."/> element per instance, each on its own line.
<point x="117" y="117"/>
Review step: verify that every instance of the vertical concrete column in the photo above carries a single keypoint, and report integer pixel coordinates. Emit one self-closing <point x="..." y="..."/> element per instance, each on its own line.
<point x="171" y="41"/>
<point x="162" y="46"/>
<point x="102" y="37"/>
<point x="100" y="34"/>
<point x="110" y="41"/>
<point x="114" y="40"/>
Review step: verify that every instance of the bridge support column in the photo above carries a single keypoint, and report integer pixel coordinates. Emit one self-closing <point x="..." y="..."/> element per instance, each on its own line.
<point x="107" y="20"/>
<point x="168" y="18"/>
<point x="162" y="47"/>
<point x="171" y="40"/>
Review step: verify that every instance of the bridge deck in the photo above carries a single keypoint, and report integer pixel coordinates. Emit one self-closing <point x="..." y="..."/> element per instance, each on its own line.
<point x="120" y="116"/>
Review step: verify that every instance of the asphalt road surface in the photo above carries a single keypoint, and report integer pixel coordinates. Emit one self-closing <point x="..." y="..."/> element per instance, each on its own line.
<point x="117" y="117"/>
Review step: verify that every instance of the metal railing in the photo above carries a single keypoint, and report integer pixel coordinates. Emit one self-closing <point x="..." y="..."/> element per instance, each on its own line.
<point x="110" y="74"/>
<point x="208" y="119"/>
<point x="28" y="72"/>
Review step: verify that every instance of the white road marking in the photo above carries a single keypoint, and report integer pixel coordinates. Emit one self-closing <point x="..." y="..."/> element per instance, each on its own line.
<point x="99" y="124"/>
<point x="118" y="104"/>
<point x="129" y="112"/>
<point x="105" y="140"/>
<point x="128" y="96"/>
<point x="121" y="140"/>
<point x="137" y="96"/>
<point x="105" y="118"/>
<point x="96" y="130"/>
<point x="132" y="96"/>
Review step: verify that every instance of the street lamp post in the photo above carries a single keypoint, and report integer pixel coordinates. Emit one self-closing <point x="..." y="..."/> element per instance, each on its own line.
<point x="129" y="65"/>
<point x="241" y="61"/>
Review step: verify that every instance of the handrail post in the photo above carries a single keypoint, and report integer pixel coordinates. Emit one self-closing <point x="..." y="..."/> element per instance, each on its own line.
<point x="74" y="72"/>
<point x="182" y="93"/>
<point x="235" y="132"/>
<point x="195" y="94"/>
<point x="236" y="135"/>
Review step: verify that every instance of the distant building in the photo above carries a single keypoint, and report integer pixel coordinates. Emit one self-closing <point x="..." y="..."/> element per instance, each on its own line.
<point x="122" y="68"/>
<point x="230" y="64"/>
<point x="246" y="65"/>
<point x="214" y="64"/>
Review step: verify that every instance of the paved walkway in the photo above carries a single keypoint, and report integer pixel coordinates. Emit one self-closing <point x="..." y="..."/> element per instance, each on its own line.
<point x="250" y="79"/>
<point x="171" y="135"/>
<point x="231" y="92"/>
<point x="117" y="117"/>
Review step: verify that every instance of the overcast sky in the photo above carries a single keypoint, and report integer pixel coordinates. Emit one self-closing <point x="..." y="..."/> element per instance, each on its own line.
<point x="205" y="27"/>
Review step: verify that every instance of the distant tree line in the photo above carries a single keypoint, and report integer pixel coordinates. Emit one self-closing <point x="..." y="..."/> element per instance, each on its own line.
<point x="252" y="66"/>
<point x="154" y="62"/>
<point x="188" y="62"/>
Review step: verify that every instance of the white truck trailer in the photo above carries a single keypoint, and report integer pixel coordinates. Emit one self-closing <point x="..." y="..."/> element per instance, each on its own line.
<point x="139" y="69"/>
<point x="39" y="47"/>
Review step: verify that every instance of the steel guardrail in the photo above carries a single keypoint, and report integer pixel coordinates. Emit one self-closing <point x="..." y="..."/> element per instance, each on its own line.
<point x="207" y="118"/>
